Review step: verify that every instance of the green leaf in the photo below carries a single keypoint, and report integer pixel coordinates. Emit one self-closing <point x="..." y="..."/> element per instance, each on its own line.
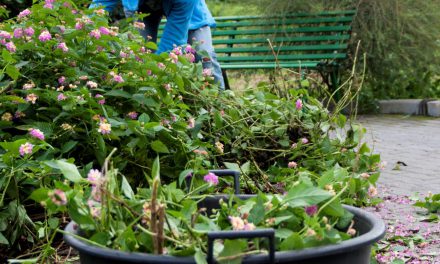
<point x="126" y="189"/>
<point x="7" y="57"/>
<point x="200" y="257"/>
<point x="303" y="195"/>
<point x="155" y="172"/>
<point x="159" y="147"/>
<point x="118" y="93"/>
<point x="101" y="238"/>
<point x="183" y="174"/>
<point x="232" y="248"/>
<point x="344" y="220"/>
<point x="232" y="166"/>
<point x="144" y="118"/>
<point x="294" y="241"/>
<point x="69" y="170"/>
<point x="68" y="146"/>
<point x="3" y="240"/>
<point x="256" y="215"/>
<point x="39" y="194"/>
<point x="12" y="72"/>
<point x="53" y="222"/>
<point x="334" y="209"/>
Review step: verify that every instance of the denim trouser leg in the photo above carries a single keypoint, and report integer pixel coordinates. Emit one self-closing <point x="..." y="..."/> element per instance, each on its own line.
<point x="203" y="38"/>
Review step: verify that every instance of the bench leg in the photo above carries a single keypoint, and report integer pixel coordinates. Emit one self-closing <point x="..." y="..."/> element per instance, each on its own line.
<point x="225" y="78"/>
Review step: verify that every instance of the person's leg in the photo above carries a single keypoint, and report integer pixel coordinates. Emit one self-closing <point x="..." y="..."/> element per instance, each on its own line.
<point x="203" y="40"/>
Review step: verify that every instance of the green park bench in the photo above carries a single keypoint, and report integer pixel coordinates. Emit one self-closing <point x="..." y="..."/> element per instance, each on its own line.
<point x="300" y="41"/>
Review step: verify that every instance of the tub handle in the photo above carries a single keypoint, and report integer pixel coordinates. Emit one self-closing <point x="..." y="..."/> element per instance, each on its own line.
<point x="269" y="233"/>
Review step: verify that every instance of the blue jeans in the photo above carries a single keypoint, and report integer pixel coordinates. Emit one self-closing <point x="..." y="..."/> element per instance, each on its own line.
<point x="203" y="38"/>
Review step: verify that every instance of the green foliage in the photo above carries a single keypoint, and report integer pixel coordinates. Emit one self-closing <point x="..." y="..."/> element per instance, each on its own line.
<point x="395" y="35"/>
<point x="432" y="205"/>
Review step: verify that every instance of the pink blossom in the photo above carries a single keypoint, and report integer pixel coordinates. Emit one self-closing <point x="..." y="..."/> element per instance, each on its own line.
<point x="79" y="25"/>
<point x="149" y="72"/>
<point x="177" y="51"/>
<point x="174" y="57"/>
<point x="311" y="210"/>
<point x="99" y="12"/>
<point x="24" y="13"/>
<point x="62" y="46"/>
<point x="299" y="104"/>
<point x="31" y="98"/>
<point x="139" y="25"/>
<point x="207" y="72"/>
<point x="29" y="31"/>
<point x="249" y="227"/>
<point x="161" y="65"/>
<point x="123" y="54"/>
<point x="236" y="222"/>
<point x="167" y="87"/>
<point x="25" y="149"/>
<point x="189" y="49"/>
<point x="94" y="176"/>
<point x="58" y="197"/>
<point x="61" y="97"/>
<point x="190" y="57"/>
<point x="5" y="35"/>
<point x="11" y="47"/>
<point x="62" y="80"/>
<point x="92" y="84"/>
<point x="104" y="31"/>
<point x="95" y="34"/>
<point x="118" y="78"/>
<point x="294" y="145"/>
<point x="372" y="191"/>
<point x="304" y="140"/>
<point x="191" y="122"/>
<point x="48" y="4"/>
<point x="44" y="36"/>
<point x="18" y="33"/>
<point x="104" y="128"/>
<point x="36" y="133"/>
<point x="211" y="178"/>
<point x="132" y="115"/>
<point x="292" y="164"/>
<point x="101" y="101"/>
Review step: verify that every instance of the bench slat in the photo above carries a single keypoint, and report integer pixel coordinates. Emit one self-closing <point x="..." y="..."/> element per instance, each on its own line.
<point x="270" y="65"/>
<point x="265" y="22"/>
<point x="293" y="57"/>
<point x="282" y="48"/>
<point x="281" y="30"/>
<point x="327" y="13"/>
<point x="325" y="38"/>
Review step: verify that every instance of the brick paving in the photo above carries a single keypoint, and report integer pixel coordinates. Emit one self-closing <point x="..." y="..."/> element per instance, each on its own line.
<point x="414" y="142"/>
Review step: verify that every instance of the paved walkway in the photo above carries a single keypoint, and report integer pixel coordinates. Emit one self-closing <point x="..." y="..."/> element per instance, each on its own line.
<point x="414" y="142"/>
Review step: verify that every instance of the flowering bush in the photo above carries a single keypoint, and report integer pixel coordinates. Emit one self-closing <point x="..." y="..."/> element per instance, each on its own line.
<point x="72" y="88"/>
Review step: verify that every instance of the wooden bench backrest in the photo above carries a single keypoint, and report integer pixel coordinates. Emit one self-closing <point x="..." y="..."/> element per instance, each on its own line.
<point x="243" y="41"/>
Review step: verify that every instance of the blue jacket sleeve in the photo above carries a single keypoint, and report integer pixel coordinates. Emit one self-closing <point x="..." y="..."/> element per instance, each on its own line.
<point x="178" y="13"/>
<point x="108" y="5"/>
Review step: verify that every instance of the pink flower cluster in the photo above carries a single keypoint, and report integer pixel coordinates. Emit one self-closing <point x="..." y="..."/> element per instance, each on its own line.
<point x="211" y="178"/>
<point x="58" y="197"/>
<point x="25" y="149"/>
<point x="48" y="4"/>
<point x="44" y="36"/>
<point x="24" y="13"/>
<point x="239" y="224"/>
<point x="36" y="133"/>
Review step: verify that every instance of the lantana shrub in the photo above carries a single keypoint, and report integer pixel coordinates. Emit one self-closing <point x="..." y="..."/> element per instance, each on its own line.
<point x="73" y="88"/>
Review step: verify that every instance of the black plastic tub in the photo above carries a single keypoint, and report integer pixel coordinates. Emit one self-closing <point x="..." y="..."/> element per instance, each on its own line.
<point x="353" y="251"/>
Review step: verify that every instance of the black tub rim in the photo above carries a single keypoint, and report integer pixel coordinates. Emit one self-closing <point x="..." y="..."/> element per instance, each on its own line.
<point x="376" y="232"/>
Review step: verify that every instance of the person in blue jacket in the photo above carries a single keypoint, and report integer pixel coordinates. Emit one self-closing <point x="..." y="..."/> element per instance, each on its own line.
<point x="187" y="21"/>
